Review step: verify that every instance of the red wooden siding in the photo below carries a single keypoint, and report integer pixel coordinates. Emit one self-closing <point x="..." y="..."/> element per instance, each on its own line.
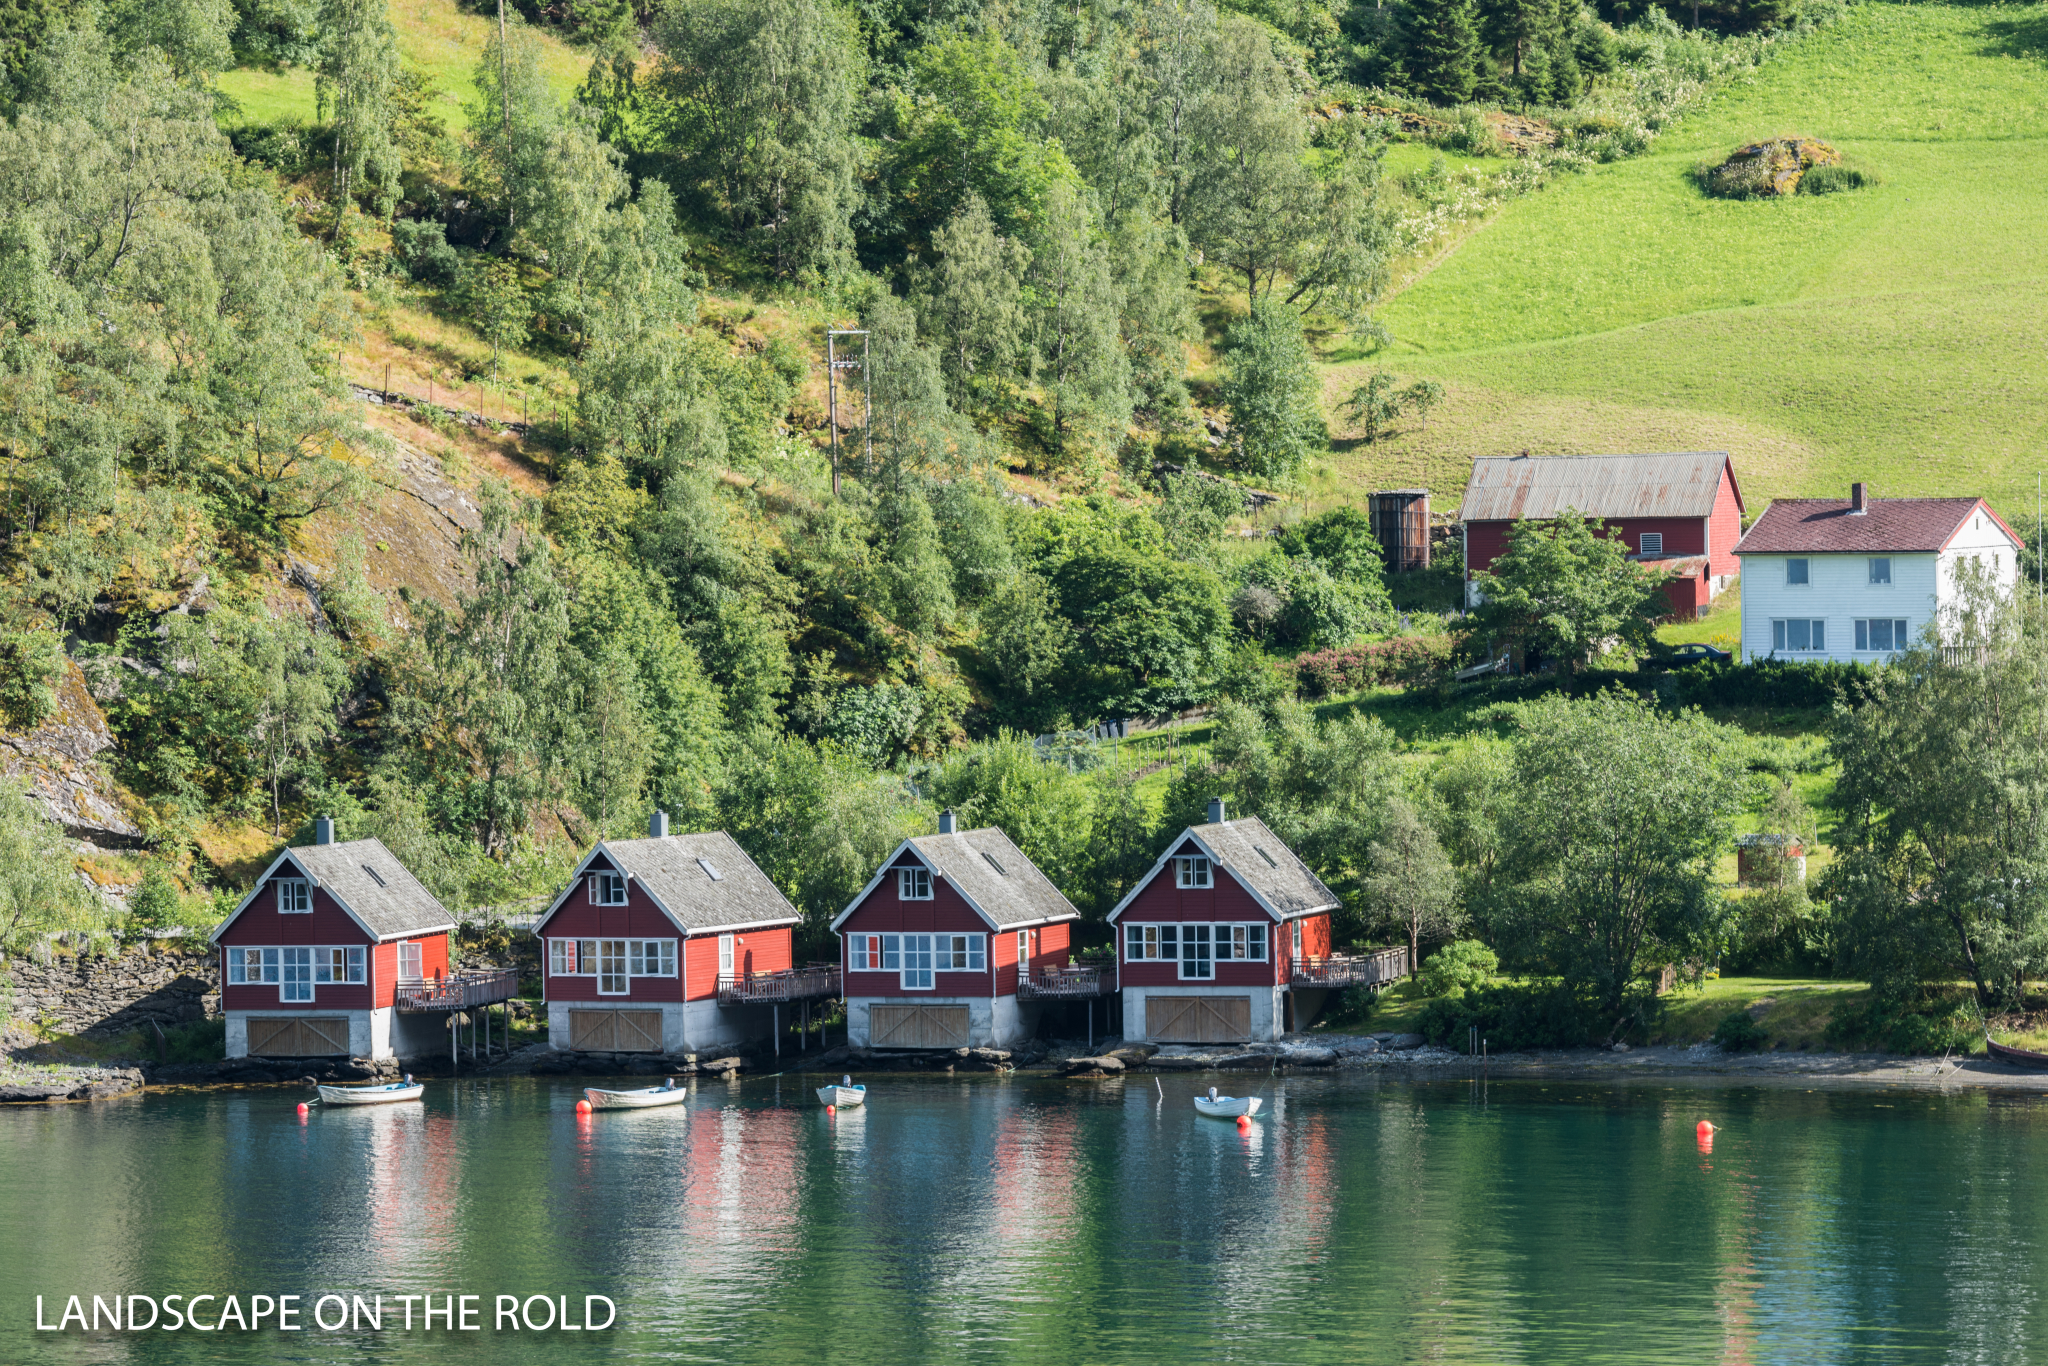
<point x="261" y="925"/>
<point x="884" y="912"/>
<point x="1227" y="902"/>
<point x="1725" y="528"/>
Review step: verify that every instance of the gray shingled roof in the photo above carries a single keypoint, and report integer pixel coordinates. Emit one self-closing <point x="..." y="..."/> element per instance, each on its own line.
<point x="668" y="867"/>
<point x="1259" y="859"/>
<point x="369" y="880"/>
<point x="1510" y="489"/>
<point x="990" y="871"/>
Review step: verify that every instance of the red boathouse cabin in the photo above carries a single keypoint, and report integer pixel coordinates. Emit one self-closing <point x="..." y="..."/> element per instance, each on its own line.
<point x="652" y="946"/>
<point x="312" y="958"/>
<point x="932" y="947"/>
<point x="1678" y="514"/>
<point x="1209" y="939"/>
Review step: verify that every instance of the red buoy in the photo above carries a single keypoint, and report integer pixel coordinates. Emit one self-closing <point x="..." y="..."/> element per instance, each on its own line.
<point x="302" y="1107"/>
<point x="1244" y="1121"/>
<point x="831" y="1109"/>
<point x="582" y="1107"/>
<point x="1704" y="1129"/>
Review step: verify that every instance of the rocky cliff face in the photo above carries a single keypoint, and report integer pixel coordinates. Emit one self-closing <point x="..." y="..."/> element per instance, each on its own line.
<point x="60" y="763"/>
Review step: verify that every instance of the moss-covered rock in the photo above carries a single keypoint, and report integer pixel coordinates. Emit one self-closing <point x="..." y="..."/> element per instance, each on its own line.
<point x="1765" y="169"/>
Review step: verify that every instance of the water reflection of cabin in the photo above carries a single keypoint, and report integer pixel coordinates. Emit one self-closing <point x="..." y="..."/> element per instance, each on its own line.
<point x="668" y="944"/>
<point x="1227" y="939"/>
<point x="328" y="951"/>
<point x="956" y="943"/>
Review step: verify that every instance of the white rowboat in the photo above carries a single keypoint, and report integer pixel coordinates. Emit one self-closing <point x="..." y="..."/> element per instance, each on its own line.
<point x="371" y="1095"/>
<point x="642" y="1099"/>
<point x="1226" y="1107"/>
<point x="842" y="1095"/>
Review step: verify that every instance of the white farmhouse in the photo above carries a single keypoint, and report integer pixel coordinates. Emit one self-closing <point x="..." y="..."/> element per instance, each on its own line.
<point x="1828" y="579"/>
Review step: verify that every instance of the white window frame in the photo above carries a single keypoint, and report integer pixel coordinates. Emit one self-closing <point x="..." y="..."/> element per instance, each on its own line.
<point x="914" y="884"/>
<point x="1258" y="941"/>
<point x="1805" y="572"/>
<point x="727" y="956"/>
<point x="1865" y="635"/>
<point x="264" y="961"/>
<point x="418" y="955"/>
<point x="1294" y="953"/>
<point x="1781" y="635"/>
<point x="608" y="889"/>
<point x="650" y="957"/>
<point x="1197" y="958"/>
<point x="294" y="896"/>
<point x="612" y="978"/>
<point x="914" y="957"/>
<point x="863" y="953"/>
<point x="339" y="965"/>
<point x="1193" y="871"/>
<point x="1875" y="561"/>
<point x="1023" y="955"/>
<point x="1651" y="543"/>
<point x="1238" y="942"/>
<point x="295" y="984"/>
<point x="959" y="953"/>
<point x="562" y="958"/>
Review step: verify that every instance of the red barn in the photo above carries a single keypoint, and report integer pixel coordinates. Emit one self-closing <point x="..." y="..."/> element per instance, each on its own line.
<point x="312" y="958"/>
<point x="1680" y="514"/>
<point x="1213" y="937"/>
<point x="655" y="945"/>
<point x="932" y="948"/>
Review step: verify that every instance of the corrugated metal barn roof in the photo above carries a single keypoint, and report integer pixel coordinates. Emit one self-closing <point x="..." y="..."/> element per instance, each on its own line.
<point x="1510" y="489"/>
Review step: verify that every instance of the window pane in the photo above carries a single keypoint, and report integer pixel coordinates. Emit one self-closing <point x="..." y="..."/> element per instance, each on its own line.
<point x="1795" y="571"/>
<point x="1777" y="635"/>
<point x="1820" y="635"/>
<point x="1881" y="570"/>
<point x="1899" y="641"/>
<point x="1256" y="942"/>
<point x="892" y="952"/>
<point x="1797" y="634"/>
<point x="1880" y="634"/>
<point x="1134" y="942"/>
<point x="1863" y="633"/>
<point x="1167" y="937"/>
<point x="639" y="961"/>
<point x="355" y="965"/>
<point x="977" y="960"/>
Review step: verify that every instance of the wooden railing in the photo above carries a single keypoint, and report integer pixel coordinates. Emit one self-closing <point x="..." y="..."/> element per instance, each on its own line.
<point x="459" y="990"/>
<point x="793" y="984"/>
<point x="1377" y="968"/>
<point x="1066" y="984"/>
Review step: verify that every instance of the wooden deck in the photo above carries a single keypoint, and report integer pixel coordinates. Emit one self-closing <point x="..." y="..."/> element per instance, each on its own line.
<point x="1381" y="967"/>
<point x="1067" y="984"/>
<point x="459" y="990"/>
<point x="809" y="982"/>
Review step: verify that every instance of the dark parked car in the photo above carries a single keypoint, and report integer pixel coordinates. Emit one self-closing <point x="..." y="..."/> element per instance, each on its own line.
<point x="1695" y="652"/>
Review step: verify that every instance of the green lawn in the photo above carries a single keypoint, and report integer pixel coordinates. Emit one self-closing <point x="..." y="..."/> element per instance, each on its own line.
<point x="1892" y="334"/>
<point x="433" y="36"/>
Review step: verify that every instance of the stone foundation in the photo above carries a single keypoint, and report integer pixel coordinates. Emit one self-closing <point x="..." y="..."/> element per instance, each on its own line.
<point x="165" y="982"/>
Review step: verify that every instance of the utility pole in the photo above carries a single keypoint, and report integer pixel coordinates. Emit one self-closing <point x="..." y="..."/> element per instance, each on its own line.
<point x="833" y="365"/>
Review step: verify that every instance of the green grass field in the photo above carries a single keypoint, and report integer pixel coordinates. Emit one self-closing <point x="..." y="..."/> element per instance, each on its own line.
<point x="433" y="36"/>
<point x="1893" y="334"/>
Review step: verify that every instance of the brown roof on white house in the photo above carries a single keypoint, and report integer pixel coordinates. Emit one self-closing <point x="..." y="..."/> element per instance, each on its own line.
<point x="987" y="868"/>
<point x="1516" y="488"/>
<point x="368" y="882"/>
<point x="1824" y="526"/>
<point x="704" y="881"/>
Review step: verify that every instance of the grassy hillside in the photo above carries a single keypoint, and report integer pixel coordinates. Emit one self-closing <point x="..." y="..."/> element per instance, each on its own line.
<point x="1892" y="334"/>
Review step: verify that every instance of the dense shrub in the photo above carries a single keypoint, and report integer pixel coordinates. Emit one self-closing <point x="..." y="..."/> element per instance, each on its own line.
<point x="1762" y="683"/>
<point x="421" y="246"/>
<point x="1460" y="966"/>
<point x="1833" y="179"/>
<point x="1928" y="1024"/>
<point x="1738" y="1033"/>
<point x="1513" y="1017"/>
<point x="200" y="1041"/>
<point x="1405" y="659"/>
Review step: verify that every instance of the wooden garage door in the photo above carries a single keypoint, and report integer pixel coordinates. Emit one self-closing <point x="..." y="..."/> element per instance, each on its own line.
<point x="1198" y="1019"/>
<point x="301" y="1036"/>
<point x="917" y="1027"/>
<point x="615" y="1031"/>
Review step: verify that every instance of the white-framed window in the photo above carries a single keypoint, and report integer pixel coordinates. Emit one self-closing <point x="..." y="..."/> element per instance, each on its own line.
<point x="1881" y="570"/>
<point x="1653" y="543"/>
<point x="1799" y="634"/>
<point x="1196" y="965"/>
<point x="863" y="953"/>
<point x="297" y="982"/>
<point x="1295" y="952"/>
<point x="1024" y="951"/>
<point x="1191" y="871"/>
<point x="410" y="966"/>
<point x="338" y="965"/>
<point x="1880" y="633"/>
<point x="1141" y="943"/>
<point x="572" y="957"/>
<point x="725" y="955"/>
<point x="1240" y="943"/>
<point x="611" y="967"/>
<point x="911" y="956"/>
<point x="914" y="884"/>
<point x="294" y="896"/>
<point x="252" y="967"/>
<point x="651" y="957"/>
<point x="959" y="953"/>
<point x="1796" y="571"/>
<point x="608" y="889"/>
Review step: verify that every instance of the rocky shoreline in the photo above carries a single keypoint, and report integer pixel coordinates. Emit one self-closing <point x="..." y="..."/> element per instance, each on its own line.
<point x="1404" y="1056"/>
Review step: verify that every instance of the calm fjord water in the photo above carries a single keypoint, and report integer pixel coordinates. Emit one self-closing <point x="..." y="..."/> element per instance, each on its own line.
<point x="1010" y="1220"/>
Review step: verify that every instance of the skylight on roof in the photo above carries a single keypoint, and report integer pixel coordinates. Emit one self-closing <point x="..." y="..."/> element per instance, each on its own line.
<point x="1266" y="856"/>
<point x="709" y="871"/>
<point x="373" y="875"/>
<point x="993" y="864"/>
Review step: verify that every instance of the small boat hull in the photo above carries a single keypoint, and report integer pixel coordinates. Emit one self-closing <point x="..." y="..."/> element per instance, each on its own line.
<point x="2018" y="1057"/>
<point x="842" y="1096"/>
<point x="646" y="1098"/>
<point x="1227" y="1107"/>
<point x="371" y="1095"/>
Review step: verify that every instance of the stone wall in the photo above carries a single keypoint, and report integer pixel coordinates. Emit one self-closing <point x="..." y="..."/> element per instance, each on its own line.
<point x="167" y="981"/>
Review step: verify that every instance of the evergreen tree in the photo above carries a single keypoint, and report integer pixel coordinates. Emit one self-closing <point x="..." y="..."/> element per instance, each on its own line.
<point x="1441" y="48"/>
<point x="355" y="78"/>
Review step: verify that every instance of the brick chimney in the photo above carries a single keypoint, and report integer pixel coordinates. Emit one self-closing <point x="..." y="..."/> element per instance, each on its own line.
<point x="1859" y="499"/>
